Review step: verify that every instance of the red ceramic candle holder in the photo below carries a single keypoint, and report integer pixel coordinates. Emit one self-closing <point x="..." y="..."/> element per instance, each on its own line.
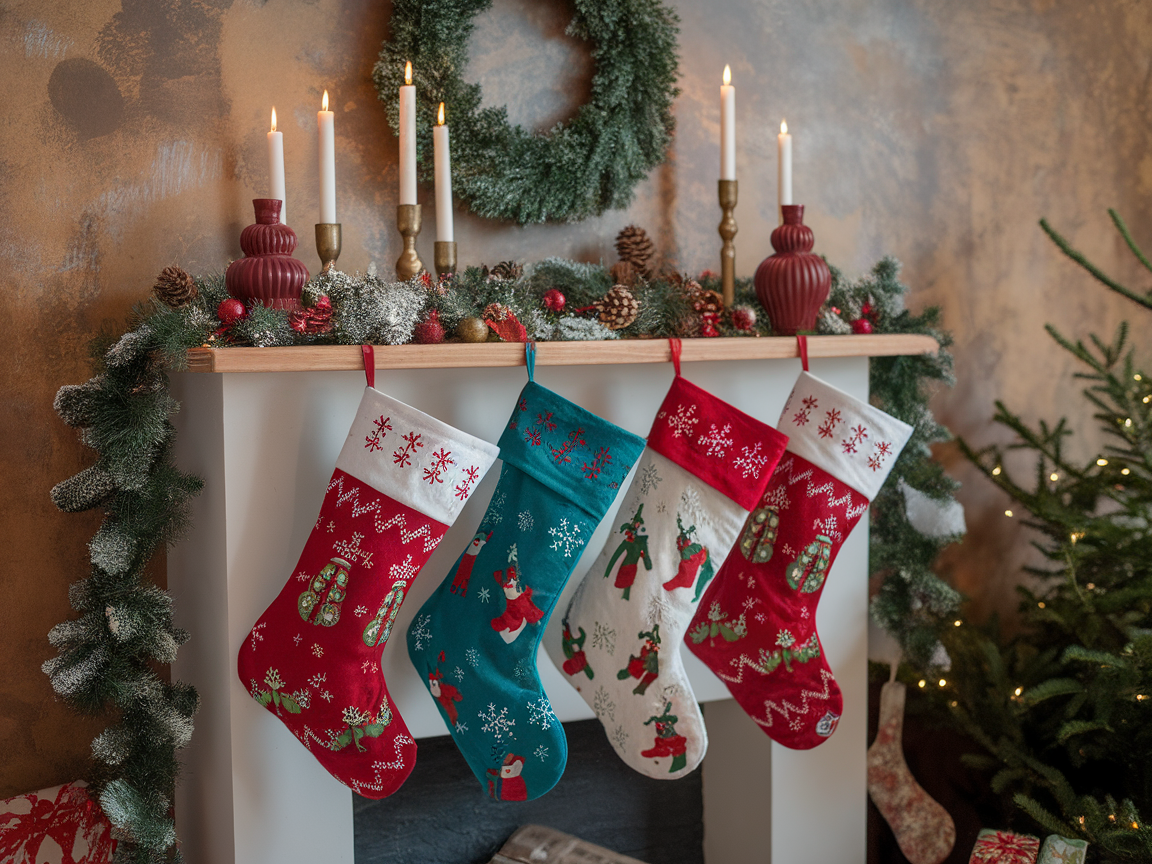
<point x="267" y="273"/>
<point x="793" y="284"/>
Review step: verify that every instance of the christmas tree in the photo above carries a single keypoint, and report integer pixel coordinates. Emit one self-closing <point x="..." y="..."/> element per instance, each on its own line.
<point x="1062" y="708"/>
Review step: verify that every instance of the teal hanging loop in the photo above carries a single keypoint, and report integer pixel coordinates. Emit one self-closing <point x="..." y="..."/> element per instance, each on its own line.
<point x="530" y="359"/>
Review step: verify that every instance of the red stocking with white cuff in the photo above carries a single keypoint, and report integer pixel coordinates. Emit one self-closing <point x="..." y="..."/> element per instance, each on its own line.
<point x="313" y="658"/>
<point x="755" y="627"/>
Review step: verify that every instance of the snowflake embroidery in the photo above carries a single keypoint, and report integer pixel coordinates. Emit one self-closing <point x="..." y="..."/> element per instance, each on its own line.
<point x="406" y="570"/>
<point x="360" y="611"/>
<point x="683" y="421"/>
<point x="604" y="638"/>
<point x="562" y="455"/>
<point x="883" y="451"/>
<point x="496" y="722"/>
<point x="525" y="521"/>
<point x="545" y="419"/>
<point x="751" y="461"/>
<point x="619" y="737"/>
<point x="649" y="479"/>
<point x="326" y="696"/>
<point x="383" y="427"/>
<point x="402" y="456"/>
<point x="441" y="459"/>
<point x="316" y="680"/>
<point x="778" y="498"/>
<point x="801" y="417"/>
<point x="760" y="617"/>
<point x="532" y="436"/>
<point x="541" y="752"/>
<point x="788" y="551"/>
<point x="256" y="635"/>
<point x="368" y="666"/>
<point x="603" y="705"/>
<point x="831" y="418"/>
<point x="461" y="727"/>
<point x="419" y="632"/>
<point x="302" y="576"/>
<point x="351" y="549"/>
<point x="484" y="595"/>
<point x="540" y="713"/>
<point x="331" y="526"/>
<point x="473" y="657"/>
<point x="317" y="651"/>
<point x="858" y="434"/>
<point x="567" y="537"/>
<point x="471" y="474"/>
<point x="603" y="457"/>
<point x="297" y="638"/>
<point x="716" y="441"/>
<point x="522" y="672"/>
<point x="661" y="506"/>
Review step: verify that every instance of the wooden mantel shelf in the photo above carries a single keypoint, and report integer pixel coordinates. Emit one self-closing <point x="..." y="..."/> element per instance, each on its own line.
<point x="330" y="358"/>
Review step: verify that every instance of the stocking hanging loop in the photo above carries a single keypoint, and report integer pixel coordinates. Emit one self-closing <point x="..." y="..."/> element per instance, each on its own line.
<point x="674" y="346"/>
<point x="530" y="359"/>
<point x="802" y="349"/>
<point x="369" y="364"/>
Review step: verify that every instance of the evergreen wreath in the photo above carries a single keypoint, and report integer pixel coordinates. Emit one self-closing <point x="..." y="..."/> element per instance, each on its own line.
<point x="575" y="170"/>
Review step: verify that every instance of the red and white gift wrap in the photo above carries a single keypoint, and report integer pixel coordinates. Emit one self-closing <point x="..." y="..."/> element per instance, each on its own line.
<point x="313" y="657"/>
<point x="1004" y="847"/>
<point x="60" y="825"/>
<point x="756" y="625"/>
<point x="705" y="466"/>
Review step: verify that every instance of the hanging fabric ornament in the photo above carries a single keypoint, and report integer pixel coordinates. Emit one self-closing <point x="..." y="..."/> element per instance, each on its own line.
<point x="562" y="470"/>
<point x="924" y="830"/>
<point x="705" y="466"/>
<point x="839" y="455"/>
<point x="1004" y="847"/>
<point x="400" y="481"/>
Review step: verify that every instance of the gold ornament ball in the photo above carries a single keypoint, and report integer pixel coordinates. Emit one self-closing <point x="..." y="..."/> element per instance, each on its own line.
<point x="472" y="330"/>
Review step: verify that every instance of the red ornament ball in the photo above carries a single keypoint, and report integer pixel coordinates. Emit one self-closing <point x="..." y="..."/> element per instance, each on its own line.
<point x="554" y="300"/>
<point x="231" y="311"/>
<point x="429" y="331"/>
<point x="743" y="318"/>
<point x="862" y="326"/>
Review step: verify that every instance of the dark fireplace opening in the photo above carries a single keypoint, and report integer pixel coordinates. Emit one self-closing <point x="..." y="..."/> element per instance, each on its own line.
<point x="442" y="816"/>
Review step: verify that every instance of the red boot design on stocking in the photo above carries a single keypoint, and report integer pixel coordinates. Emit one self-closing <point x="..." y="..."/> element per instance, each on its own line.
<point x="756" y="625"/>
<point x="313" y="658"/>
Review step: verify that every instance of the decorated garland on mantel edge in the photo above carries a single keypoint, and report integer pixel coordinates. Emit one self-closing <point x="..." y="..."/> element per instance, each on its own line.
<point x="574" y="170"/>
<point x="106" y="656"/>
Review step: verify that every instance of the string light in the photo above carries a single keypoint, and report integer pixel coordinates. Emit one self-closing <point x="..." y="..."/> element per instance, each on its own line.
<point x="1018" y="690"/>
<point x="1146" y="399"/>
<point x="1135" y="826"/>
<point x="1125" y="471"/>
<point x="1111" y="817"/>
<point x="1008" y="513"/>
<point x="921" y="683"/>
<point x="1041" y="604"/>
<point x="1091" y="586"/>
<point x="1101" y="462"/>
<point x="1137" y="377"/>
<point x="1053" y="476"/>
<point x="942" y="682"/>
<point x="956" y="623"/>
<point x="1081" y="820"/>
<point x="996" y="471"/>
<point x="1128" y="422"/>
<point x="1076" y="535"/>
<point x="953" y="703"/>
<point x="1140" y="697"/>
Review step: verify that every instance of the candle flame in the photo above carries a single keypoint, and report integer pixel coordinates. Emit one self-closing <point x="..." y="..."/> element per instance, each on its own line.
<point x="408" y="72"/>
<point x="324" y="102"/>
<point x="783" y="127"/>
<point x="727" y="74"/>
<point x="440" y="115"/>
<point x="273" y="118"/>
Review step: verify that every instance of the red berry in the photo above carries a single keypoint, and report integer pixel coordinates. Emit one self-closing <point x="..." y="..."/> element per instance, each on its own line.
<point x="743" y="317"/>
<point x="231" y="311"/>
<point x="862" y="326"/>
<point x="554" y="300"/>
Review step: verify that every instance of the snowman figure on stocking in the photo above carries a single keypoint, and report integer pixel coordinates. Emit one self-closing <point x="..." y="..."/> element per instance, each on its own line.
<point x="519" y="610"/>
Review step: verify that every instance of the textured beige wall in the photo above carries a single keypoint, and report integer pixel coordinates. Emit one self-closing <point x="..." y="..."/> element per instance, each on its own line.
<point x="132" y="137"/>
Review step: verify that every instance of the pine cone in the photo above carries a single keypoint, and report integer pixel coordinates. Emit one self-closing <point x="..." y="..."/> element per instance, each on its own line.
<point x="618" y="308"/>
<point x="505" y="270"/>
<point x="175" y="287"/>
<point x="633" y="246"/>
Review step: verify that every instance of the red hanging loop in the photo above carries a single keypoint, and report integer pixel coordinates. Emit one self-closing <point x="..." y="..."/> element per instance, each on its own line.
<point x="802" y="347"/>
<point x="369" y="364"/>
<point x="674" y="347"/>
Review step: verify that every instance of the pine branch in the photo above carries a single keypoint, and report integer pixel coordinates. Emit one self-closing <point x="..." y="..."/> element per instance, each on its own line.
<point x="1097" y="273"/>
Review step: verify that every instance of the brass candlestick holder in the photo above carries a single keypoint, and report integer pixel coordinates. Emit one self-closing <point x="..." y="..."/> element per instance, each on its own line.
<point x="728" y="249"/>
<point x="444" y="256"/>
<point x="408" y="223"/>
<point x="328" y="244"/>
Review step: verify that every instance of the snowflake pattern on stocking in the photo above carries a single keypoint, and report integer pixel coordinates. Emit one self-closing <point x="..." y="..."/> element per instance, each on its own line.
<point x="604" y="638"/>
<point x="854" y="439"/>
<point x="802" y="416"/>
<point x="541" y="753"/>
<point x="351" y="550"/>
<point x="603" y="705"/>
<point x="828" y="427"/>
<point x="402" y="456"/>
<point x="649" y="479"/>
<point x="472" y="656"/>
<point x="566" y="537"/>
<point x="751" y="461"/>
<point x="471" y="474"/>
<point x="619" y="738"/>
<point x="525" y="521"/>
<point x="382" y="427"/>
<point x="498" y="723"/>
<point x="603" y="457"/>
<point x="882" y="452"/>
<point x="682" y="422"/>
<point x="420" y="632"/>
<point x="716" y="441"/>
<point x="441" y="459"/>
<point x="540" y="713"/>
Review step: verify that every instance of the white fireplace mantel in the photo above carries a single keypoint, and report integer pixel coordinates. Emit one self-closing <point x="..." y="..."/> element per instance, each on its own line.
<point x="263" y="429"/>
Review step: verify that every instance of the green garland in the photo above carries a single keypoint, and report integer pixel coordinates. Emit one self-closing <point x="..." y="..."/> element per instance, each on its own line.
<point x="575" y="170"/>
<point x="105" y="656"/>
